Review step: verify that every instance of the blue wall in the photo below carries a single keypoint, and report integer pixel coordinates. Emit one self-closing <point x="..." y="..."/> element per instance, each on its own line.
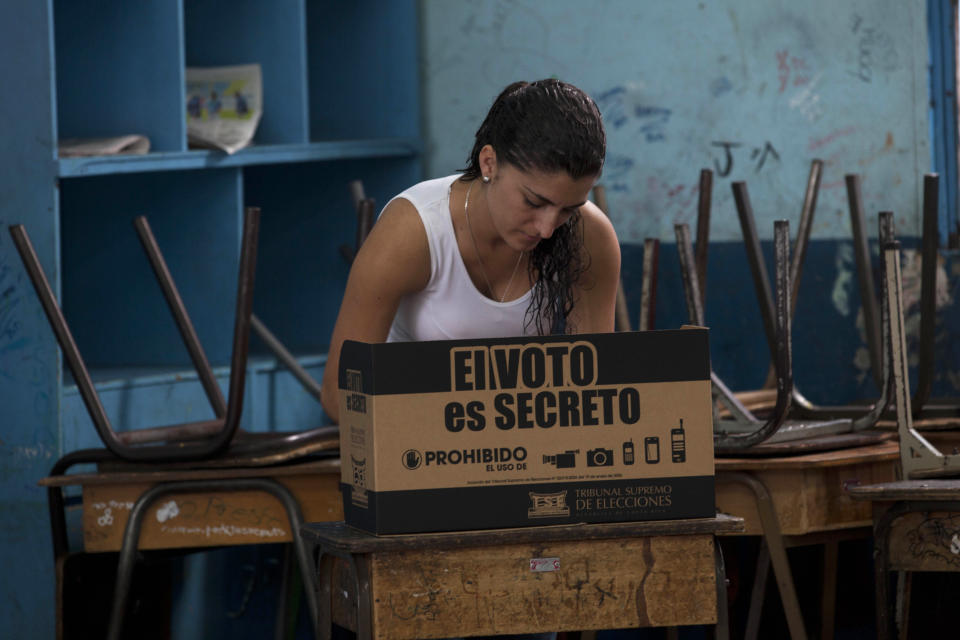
<point x="680" y="83"/>
<point x="754" y="90"/>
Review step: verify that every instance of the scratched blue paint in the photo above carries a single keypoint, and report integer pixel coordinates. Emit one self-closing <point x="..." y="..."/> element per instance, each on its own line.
<point x="720" y="86"/>
<point x="784" y="83"/>
<point x="29" y="363"/>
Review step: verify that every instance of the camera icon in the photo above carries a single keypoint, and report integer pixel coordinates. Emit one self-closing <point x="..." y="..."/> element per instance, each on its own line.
<point x="599" y="457"/>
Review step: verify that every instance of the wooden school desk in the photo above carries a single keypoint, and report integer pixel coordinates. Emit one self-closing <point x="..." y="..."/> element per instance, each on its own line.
<point x="236" y="506"/>
<point x="510" y="581"/>
<point x="916" y="528"/>
<point x="801" y="500"/>
<point x="206" y="519"/>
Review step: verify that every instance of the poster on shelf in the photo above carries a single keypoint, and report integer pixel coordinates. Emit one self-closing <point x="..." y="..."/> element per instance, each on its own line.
<point x="224" y="105"/>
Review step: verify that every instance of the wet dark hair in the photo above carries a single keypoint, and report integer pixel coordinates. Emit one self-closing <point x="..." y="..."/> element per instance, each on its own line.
<point x="547" y="126"/>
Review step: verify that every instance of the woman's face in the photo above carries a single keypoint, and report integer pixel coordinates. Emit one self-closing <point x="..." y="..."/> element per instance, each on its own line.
<point x="528" y="206"/>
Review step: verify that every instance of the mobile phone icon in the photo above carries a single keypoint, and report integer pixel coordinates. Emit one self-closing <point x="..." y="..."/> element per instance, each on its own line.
<point x="651" y="448"/>
<point x="678" y="444"/>
<point x="628" y="452"/>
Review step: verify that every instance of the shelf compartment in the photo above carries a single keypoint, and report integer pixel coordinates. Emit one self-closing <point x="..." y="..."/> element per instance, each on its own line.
<point x="307" y="213"/>
<point x="110" y="297"/>
<point x="363" y="69"/>
<point x="256" y="155"/>
<point x="251" y="31"/>
<point x="119" y="70"/>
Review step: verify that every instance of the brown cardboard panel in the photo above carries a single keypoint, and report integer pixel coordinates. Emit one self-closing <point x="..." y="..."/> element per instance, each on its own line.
<point x="418" y="446"/>
<point x="568" y="422"/>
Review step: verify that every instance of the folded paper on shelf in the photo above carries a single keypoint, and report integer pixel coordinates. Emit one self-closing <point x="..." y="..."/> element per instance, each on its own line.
<point x="224" y="105"/>
<point x="117" y="145"/>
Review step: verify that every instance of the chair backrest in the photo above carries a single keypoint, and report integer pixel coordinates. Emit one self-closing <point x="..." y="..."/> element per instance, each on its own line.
<point x="217" y="433"/>
<point x="918" y="457"/>
<point x="246" y="448"/>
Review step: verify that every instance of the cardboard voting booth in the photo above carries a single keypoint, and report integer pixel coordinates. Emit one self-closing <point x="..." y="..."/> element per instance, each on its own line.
<point x="491" y="433"/>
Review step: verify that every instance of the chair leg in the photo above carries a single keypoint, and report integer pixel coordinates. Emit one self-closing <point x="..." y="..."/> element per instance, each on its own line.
<point x="828" y="598"/>
<point x="288" y="597"/>
<point x="722" y="629"/>
<point x="758" y="592"/>
<point x="778" y="553"/>
<point x="131" y="536"/>
<point x="904" y="583"/>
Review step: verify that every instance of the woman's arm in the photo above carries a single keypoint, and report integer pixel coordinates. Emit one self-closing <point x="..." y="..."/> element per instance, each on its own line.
<point x="394" y="261"/>
<point x="596" y="291"/>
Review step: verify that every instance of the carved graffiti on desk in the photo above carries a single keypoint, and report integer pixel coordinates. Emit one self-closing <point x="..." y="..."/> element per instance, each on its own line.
<point x="223" y="530"/>
<point x="936" y="538"/>
<point x="217" y="507"/>
<point x="205" y="516"/>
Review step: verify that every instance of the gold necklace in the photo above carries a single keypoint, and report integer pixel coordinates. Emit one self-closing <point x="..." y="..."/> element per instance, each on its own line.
<point x="483" y="272"/>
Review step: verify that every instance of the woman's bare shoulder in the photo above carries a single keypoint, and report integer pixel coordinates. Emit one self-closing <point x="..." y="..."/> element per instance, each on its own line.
<point x="396" y="251"/>
<point x="599" y="237"/>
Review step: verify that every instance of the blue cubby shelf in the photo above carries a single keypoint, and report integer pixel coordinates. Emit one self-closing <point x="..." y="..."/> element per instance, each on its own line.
<point x="251" y="156"/>
<point x="341" y="102"/>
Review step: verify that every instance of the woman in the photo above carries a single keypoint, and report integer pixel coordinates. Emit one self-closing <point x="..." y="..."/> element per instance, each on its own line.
<point x="510" y="247"/>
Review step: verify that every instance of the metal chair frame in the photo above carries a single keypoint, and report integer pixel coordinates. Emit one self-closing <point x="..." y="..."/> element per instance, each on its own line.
<point x="223" y="428"/>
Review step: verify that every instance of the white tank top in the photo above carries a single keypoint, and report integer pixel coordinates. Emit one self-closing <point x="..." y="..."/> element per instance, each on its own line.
<point x="450" y="307"/>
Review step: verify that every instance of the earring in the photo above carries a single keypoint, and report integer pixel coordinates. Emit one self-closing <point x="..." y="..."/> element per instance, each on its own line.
<point x="486" y="179"/>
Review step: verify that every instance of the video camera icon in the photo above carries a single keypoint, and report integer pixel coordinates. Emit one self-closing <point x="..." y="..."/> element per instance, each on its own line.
<point x="565" y="460"/>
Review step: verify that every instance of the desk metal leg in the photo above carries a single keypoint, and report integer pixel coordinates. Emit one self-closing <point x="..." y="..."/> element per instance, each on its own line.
<point x="904" y="580"/>
<point x="828" y="597"/>
<point x="131" y="536"/>
<point x="722" y="629"/>
<point x="759" y="590"/>
<point x="360" y="565"/>
<point x="778" y="552"/>
<point x="324" y="621"/>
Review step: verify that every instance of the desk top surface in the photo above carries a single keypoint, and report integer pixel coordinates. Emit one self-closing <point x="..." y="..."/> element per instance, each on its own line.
<point x="343" y="537"/>
<point x="926" y="489"/>
<point x="152" y="474"/>
<point x="889" y="450"/>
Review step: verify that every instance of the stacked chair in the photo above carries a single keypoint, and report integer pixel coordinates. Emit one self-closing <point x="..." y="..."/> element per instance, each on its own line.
<point x="792" y="425"/>
<point x="228" y="458"/>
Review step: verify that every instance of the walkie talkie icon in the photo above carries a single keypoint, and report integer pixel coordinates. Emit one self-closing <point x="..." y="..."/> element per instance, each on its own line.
<point x="678" y="444"/>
